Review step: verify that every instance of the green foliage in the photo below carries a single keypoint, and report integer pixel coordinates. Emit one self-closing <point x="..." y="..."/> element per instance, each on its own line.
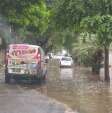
<point x="69" y="13"/>
<point x="63" y="39"/>
<point x="32" y="14"/>
<point x="85" y="48"/>
<point x="94" y="16"/>
<point x="66" y="13"/>
<point x="101" y="26"/>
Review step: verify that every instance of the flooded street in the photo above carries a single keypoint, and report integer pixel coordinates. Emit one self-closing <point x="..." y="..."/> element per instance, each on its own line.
<point x="23" y="98"/>
<point x="75" y="87"/>
<point x="56" y="56"/>
<point x="81" y="91"/>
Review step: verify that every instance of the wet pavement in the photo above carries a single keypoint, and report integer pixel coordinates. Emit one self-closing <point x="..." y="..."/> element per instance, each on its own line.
<point x="26" y="98"/>
<point x="75" y="87"/>
<point x="80" y="90"/>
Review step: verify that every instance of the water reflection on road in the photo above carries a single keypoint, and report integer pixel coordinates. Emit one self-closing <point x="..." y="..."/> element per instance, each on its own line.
<point x="78" y="89"/>
<point x="66" y="73"/>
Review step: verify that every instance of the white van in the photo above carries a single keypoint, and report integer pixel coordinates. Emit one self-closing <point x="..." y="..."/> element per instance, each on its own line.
<point x="24" y="61"/>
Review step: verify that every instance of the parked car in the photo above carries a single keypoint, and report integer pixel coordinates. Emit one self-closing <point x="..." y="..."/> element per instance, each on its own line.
<point x="66" y="61"/>
<point x="25" y="61"/>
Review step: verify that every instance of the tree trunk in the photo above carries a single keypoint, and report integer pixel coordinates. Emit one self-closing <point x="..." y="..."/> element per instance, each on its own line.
<point x="97" y="60"/>
<point x="95" y="70"/>
<point x="106" y="61"/>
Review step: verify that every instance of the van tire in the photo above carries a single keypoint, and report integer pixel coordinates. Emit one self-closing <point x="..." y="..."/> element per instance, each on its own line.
<point x="7" y="78"/>
<point x="44" y="78"/>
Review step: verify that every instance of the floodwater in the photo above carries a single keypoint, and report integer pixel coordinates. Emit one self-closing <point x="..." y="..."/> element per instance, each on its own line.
<point x="79" y="89"/>
<point x="76" y="87"/>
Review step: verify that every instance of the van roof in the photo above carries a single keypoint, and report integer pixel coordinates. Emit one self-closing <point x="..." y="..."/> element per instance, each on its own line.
<point x="29" y="45"/>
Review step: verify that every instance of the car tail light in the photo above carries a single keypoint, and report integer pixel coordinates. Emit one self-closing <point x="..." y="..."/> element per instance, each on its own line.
<point x="38" y="57"/>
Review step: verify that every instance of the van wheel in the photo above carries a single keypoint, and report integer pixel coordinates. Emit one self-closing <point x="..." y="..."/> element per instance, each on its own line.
<point x="44" y="77"/>
<point x="45" y="74"/>
<point x="7" y="78"/>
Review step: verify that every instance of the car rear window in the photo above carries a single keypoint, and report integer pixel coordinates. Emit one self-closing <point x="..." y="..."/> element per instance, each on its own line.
<point x="66" y="59"/>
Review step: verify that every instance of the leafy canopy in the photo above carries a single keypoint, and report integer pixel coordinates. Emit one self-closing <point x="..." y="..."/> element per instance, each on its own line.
<point x="69" y="13"/>
<point x="30" y="14"/>
<point x="101" y="26"/>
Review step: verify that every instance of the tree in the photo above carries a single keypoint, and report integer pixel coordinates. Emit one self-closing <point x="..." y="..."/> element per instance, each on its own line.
<point x="102" y="27"/>
<point x="31" y="15"/>
<point x="86" y="51"/>
<point x="71" y="13"/>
